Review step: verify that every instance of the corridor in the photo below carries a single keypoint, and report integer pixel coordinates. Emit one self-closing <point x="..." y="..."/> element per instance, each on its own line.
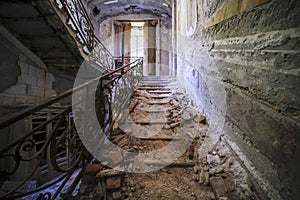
<point x="149" y="99"/>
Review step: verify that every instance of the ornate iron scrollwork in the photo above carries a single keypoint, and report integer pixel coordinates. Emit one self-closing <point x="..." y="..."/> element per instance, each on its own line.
<point x="81" y="23"/>
<point x="26" y="150"/>
<point x="61" y="140"/>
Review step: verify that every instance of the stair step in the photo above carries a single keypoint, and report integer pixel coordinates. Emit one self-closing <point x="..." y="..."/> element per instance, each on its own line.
<point x="160" y="91"/>
<point x="163" y="110"/>
<point x="160" y="96"/>
<point x="158" y="102"/>
<point x="148" y="122"/>
<point x="152" y="88"/>
<point x="161" y="138"/>
<point x="175" y="164"/>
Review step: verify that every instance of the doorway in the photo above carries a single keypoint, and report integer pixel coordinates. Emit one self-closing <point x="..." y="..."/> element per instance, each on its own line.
<point x="137" y="38"/>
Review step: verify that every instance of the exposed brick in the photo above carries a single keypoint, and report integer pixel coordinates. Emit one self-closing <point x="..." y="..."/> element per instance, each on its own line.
<point x="92" y="169"/>
<point x="25" y="99"/>
<point x="35" y="91"/>
<point x="19" y="89"/>
<point x="41" y="82"/>
<point x="113" y="182"/>
<point x="7" y="99"/>
<point x="24" y="67"/>
<point x="28" y="80"/>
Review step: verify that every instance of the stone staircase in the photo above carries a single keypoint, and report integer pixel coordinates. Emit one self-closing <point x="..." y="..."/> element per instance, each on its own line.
<point x="160" y="114"/>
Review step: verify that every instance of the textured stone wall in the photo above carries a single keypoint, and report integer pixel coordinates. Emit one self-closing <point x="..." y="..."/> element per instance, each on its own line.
<point x="28" y="82"/>
<point x="24" y="81"/>
<point x="244" y="73"/>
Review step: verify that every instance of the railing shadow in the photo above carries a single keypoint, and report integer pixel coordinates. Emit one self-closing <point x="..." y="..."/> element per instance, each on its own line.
<point x="43" y="141"/>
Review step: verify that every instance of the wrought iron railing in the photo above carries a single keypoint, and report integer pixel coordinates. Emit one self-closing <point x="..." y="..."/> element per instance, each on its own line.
<point x="51" y="147"/>
<point x="78" y="19"/>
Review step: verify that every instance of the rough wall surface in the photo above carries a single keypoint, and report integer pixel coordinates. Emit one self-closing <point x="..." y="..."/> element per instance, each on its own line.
<point x="244" y="73"/>
<point x="24" y="82"/>
<point x="28" y="83"/>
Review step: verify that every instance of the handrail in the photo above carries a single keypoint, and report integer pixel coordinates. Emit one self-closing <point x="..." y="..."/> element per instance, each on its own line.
<point x="82" y="24"/>
<point x="24" y="148"/>
<point x="27" y="112"/>
<point x="97" y="39"/>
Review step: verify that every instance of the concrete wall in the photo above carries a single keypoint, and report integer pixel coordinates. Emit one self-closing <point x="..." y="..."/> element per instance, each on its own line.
<point x="26" y="81"/>
<point x="25" y="78"/>
<point x="242" y="66"/>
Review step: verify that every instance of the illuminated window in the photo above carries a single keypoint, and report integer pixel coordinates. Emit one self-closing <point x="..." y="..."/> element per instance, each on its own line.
<point x="137" y="39"/>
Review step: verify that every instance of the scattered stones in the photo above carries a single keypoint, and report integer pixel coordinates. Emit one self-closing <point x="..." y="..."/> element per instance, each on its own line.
<point x="219" y="169"/>
<point x="219" y="187"/>
<point x="115" y="156"/>
<point x="226" y="176"/>
<point x="196" y="169"/>
<point x="116" y="195"/>
<point x="113" y="182"/>
<point x="213" y="159"/>
<point x="212" y="172"/>
<point x="200" y="119"/>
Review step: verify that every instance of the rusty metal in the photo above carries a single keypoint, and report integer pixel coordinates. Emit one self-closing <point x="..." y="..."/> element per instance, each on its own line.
<point x="25" y="149"/>
<point x="25" y="113"/>
<point x="29" y="148"/>
<point x="80" y="22"/>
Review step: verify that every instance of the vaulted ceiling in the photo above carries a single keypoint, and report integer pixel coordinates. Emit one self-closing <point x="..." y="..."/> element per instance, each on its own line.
<point x="103" y="9"/>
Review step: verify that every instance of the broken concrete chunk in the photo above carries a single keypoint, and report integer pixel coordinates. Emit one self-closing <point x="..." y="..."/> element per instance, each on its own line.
<point x="116" y="195"/>
<point x="219" y="187"/>
<point x="219" y="169"/>
<point x="213" y="159"/>
<point x="113" y="182"/>
<point x="200" y="119"/>
<point x="92" y="169"/>
<point x="115" y="156"/>
<point x="212" y="171"/>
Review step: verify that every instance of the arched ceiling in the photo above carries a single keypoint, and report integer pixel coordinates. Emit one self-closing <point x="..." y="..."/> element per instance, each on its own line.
<point x="103" y="9"/>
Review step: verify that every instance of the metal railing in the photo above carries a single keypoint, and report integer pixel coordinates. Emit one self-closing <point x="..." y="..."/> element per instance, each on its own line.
<point x="53" y="140"/>
<point x="78" y="19"/>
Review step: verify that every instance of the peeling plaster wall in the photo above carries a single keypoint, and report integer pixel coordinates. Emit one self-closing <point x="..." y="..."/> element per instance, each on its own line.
<point x="24" y="81"/>
<point x="244" y="73"/>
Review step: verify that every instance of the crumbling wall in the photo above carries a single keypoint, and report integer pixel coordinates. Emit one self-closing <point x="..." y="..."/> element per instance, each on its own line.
<point x="26" y="82"/>
<point x="243" y="70"/>
<point x="25" y="78"/>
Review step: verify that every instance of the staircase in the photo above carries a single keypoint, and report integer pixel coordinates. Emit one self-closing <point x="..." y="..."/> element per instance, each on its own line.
<point x="50" y="147"/>
<point x="161" y="119"/>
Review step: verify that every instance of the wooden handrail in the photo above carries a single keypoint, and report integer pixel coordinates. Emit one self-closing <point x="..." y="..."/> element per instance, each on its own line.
<point x="26" y="112"/>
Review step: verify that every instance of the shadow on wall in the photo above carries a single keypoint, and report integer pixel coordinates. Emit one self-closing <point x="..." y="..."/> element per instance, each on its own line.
<point x="197" y="85"/>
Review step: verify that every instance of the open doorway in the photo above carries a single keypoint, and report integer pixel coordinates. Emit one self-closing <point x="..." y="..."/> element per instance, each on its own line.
<point x="136" y="39"/>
